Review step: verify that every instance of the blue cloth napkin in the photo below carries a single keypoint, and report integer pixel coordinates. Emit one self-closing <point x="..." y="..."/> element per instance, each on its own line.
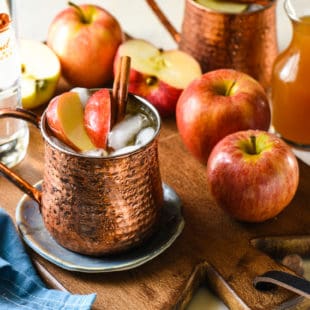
<point x="20" y="286"/>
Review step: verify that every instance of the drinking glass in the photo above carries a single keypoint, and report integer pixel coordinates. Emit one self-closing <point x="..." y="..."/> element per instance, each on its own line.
<point x="14" y="133"/>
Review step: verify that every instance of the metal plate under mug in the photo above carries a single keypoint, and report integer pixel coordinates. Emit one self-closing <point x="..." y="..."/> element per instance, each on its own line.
<point x="35" y="235"/>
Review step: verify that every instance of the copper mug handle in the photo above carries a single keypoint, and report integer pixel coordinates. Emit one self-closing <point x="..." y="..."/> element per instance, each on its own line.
<point x="7" y="172"/>
<point x="164" y="20"/>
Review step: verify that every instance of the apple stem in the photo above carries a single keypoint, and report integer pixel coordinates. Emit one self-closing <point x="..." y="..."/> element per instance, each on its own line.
<point x="80" y="12"/>
<point x="227" y="93"/>
<point x="253" y="144"/>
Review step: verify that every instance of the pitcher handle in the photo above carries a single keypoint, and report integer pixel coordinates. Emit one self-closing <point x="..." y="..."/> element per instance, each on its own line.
<point x="164" y="20"/>
<point x="7" y="172"/>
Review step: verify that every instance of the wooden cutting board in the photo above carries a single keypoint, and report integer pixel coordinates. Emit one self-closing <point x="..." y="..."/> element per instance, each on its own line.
<point x="212" y="247"/>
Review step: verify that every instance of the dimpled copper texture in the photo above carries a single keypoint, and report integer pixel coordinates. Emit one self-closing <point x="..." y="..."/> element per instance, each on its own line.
<point x="99" y="206"/>
<point x="245" y="42"/>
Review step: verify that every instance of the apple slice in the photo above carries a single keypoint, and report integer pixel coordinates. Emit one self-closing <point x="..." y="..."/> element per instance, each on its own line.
<point x="224" y="6"/>
<point x="157" y="75"/>
<point x="40" y="73"/>
<point x="97" y="117"/>
<point x="65" y="118"/>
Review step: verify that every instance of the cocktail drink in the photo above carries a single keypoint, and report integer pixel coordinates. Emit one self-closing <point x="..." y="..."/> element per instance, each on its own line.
<point x="102" y="191"/>
<point x="290" y="80"/>
<point x="98" y="201"/>
<point x="102" y="201"/>
<point x="135" y="130"/>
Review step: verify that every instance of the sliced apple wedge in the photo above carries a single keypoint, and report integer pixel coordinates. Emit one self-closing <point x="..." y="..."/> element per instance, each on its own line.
<point x="224" y="6"/>
<point x="40" y="73"/>
<point x="97" y="117"/>
<point x="159" y="76"/>
<point x="65" y="117"/>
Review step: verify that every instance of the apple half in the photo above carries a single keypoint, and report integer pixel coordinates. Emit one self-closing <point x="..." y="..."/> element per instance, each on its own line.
<point x="65" y="117"/>
<point x="40" y="73"/>
<point x="157" y="75"/>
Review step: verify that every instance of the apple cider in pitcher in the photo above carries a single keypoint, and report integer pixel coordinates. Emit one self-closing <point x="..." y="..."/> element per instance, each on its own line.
<point x="290" y="84"/>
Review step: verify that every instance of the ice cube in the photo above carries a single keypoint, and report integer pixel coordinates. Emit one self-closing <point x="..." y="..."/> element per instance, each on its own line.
<point x="144" y="136"/>
<point x="83" y="93"/>
<point x="125" y="150"/>
<point x="96" y="153"/>
<point x="124" y="132"/>
<point x="253" y="7"/>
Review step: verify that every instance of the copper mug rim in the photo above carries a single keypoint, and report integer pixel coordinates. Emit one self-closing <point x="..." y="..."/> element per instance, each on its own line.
<point x="47" y="136"/>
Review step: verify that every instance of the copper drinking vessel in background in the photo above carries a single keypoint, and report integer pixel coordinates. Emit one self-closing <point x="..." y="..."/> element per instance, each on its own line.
<point x="96" y="205"/>
<point x="245" y="42"/>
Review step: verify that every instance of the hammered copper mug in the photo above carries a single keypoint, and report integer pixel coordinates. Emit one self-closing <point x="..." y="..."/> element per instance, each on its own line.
<point x="245" y="41"/>
<point x="96" y="205"/>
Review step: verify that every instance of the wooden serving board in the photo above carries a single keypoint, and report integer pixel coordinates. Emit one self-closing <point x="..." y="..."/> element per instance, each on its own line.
<point x="213" y="247"/>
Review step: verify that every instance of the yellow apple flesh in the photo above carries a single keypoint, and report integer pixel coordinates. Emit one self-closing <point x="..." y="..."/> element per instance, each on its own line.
<point x="40" y="73"/>
<point x="158" y="75"/>
<point x="224" y="6"/>
<point x="65" y="117"/>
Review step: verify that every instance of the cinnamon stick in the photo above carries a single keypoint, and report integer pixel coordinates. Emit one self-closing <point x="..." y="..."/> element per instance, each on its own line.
<point x="120" y="88"/>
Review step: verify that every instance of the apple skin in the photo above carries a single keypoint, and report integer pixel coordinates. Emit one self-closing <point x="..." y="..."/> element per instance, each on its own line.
<point x="64" y="115"/>
<point x="163" y="96"/>
<point x="97" y="117"/>
<point x="252" y="187"/>
<point x="53" y="121"/>
<point x="86" y="49"/>
<point x="157" y="75"/>
<point x="218" y="103"/>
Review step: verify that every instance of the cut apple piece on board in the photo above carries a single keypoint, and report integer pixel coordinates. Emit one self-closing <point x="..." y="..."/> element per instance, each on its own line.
<point x="40" y="73"/>
<point x="65" y="117"/>
<point x="97" y="117"/>
<point x="157" y="75"/>
<point x="224" y="6"/>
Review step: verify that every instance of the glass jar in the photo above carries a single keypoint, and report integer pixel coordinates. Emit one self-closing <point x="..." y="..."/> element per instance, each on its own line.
<point x="14" y="133"/>
<point x="291" y="79"/>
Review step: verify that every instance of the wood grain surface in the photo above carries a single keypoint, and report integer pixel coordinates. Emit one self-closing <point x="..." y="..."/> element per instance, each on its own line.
<point x="213" y="247"/>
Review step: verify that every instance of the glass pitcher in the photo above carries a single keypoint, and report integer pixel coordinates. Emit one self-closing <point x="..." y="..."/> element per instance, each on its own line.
<point x="291" y="79"/>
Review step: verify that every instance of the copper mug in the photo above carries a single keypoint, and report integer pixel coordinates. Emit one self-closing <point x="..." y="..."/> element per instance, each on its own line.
<point x="96" y="205"/>
<point x="245" y="41"/>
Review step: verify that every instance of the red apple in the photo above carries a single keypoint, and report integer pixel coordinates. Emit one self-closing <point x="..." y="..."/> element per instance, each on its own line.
<point x="157" y="75"/>
<point x="64" y="116"/>
<point x="218" y="103"/>
<point x="252" y="174"/>
<point x="97" y="117"/>
<point x="85" y="38"/>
